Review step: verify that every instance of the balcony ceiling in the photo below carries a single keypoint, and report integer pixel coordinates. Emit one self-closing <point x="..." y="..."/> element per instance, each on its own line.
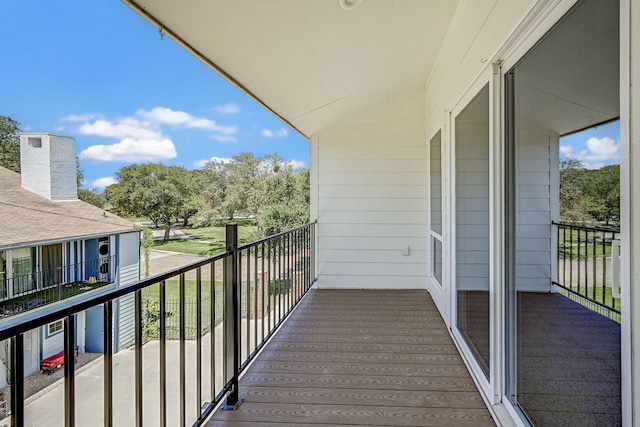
<point x="311" y="62"/>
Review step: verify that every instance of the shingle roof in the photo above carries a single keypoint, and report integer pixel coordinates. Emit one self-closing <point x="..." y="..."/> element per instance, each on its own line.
<point x="26" y="218"/>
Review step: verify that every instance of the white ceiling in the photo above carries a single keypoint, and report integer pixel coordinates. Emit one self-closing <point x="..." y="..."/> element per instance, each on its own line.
<point x="311" y="62"/>
<point x="570" y="80"/>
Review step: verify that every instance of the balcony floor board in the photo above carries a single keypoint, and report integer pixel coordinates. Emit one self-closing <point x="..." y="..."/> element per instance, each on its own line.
<point x="359" y="358"/>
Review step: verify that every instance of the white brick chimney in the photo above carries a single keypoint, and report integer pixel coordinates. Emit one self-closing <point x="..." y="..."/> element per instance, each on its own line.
<point x="48" y="166"/>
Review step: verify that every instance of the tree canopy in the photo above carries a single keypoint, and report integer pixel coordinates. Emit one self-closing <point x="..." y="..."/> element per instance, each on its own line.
<point x="153" y="190"/>
<point x="10" y="143"/>
<point x="266" y="188"/>
<point x="589" y="194"/>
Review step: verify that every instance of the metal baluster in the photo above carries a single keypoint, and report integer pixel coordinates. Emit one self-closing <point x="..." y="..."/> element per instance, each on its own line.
<point x="183" y="365"/>
<point x="17" y="381"/>
<point x="199" y="342"/>
<point x="163" y="353"/>
<point x="108" y="362"/>
<point x="138" y="356"/>
<point x="69" y="372"/>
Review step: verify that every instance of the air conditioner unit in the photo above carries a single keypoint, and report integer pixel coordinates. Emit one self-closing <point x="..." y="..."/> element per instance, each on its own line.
<point x="103" y="246"/>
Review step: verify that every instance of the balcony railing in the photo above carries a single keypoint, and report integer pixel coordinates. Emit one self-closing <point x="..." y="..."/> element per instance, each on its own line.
<point x="588" y="266"/>
<point x="259" y="283"/>
<point x="29" y="291"/>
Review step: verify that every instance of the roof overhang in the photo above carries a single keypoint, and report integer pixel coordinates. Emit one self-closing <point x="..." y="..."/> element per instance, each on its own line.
<point x="312" y="63"/>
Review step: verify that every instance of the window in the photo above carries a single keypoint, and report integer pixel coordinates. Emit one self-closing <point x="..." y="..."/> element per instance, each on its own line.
<point x="34" y="142"/>
<point x="54" y="328"/>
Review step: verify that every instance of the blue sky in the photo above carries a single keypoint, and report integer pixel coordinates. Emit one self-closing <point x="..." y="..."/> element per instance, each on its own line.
<point x="97" y="71"/>
<point x="596" y="147"/>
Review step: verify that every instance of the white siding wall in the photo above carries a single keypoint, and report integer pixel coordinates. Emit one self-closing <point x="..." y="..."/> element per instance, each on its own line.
<point x="536" y="147"/>
<point x="129" y="272"/>
<point x="372" y="198"/>
<point x="472" y="195"/>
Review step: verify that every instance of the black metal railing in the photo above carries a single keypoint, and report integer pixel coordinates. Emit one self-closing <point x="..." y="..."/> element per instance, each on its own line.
<point x="587" y="266"/>
<point x="260" y="284"/>
<point x="29" y="291"/>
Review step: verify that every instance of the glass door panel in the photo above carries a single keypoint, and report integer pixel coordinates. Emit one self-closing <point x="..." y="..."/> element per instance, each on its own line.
<point x="472" y="226"/>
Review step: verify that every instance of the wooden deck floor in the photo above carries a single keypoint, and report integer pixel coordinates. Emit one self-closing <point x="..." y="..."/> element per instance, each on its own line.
<point x="369" y="358"/>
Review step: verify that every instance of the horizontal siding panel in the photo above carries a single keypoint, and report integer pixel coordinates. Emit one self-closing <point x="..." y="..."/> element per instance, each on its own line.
<point x="473" y="244"/>
<point x="478" y="178"/>
<point x="542" y="205"/>
<point x="473" y="217"/>
<point x="535" y="284"/>
<point x="357" y="204"/>
<point x="534" y="191"/>
<point x="533" y="257"/>
<point x="390" y="243"/>
<point x="361" y="140"/>
<point x="535" y="165"/>
<point x="368" y="152"/>
<point x="372" y="217"/>
<point x="327" y="281"/>
<point x="472" y="283"/>
<point x="472" y="270"/>
<point x="473" y="203"/>
<point x="540" y="270"/>
<point x="532" y="178"/>
<point x="372" y="256"/>
<point x="534" y="149"/>
<point x="371" y="178"/>
<point x="377" y="165"/>
<point x="472" y="190"/>
<point x="472" y="165"/>
<point x="468" y="256"/>
<point x="374" y="230"/>
<point x="394" y="128"/>
<point x="471" y="231"/>
<point x="375" y="191"/>
<point x="533" y="244"/>
<point x="129" y="275"/>
<point x="472" y="151"/>
<point x="534" y="218"/>
<point x="535" y="231"/>
<point x="373" y="269"/>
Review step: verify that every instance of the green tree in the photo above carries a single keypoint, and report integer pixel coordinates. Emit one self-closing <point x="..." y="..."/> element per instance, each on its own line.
<point x="151" y="190"/>
<point x="92" y="197"/>
<point x="572" y="175"/>
<point x="602" y="193"/>
<point x="10" y="143"/>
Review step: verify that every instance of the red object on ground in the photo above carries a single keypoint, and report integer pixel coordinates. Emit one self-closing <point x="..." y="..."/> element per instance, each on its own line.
<point x="51" y="363"/>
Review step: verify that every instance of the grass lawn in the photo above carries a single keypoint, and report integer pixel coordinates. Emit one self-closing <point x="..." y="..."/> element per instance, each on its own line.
<point x="215" y="235"/>
<point x="218" y="234"/>
<point x="583" y="251"/>
<point x="189" y="247"/>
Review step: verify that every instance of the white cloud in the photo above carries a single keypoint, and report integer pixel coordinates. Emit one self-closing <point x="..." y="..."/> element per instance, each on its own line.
<point x="201" y="163"/>
<point x="228" y="108"/>
<point x="280" y="133"/>
<point x="297" y="164"/>
<point x="566" y="150"/>
<point x="599" y="152"/>
<point x="162" y="115"/>
<point x="132" y="150"/>
<point x="76" y="118"/>
<point x="102" y="183"/>
<point x="127" y="127"/>
<point x="224" y="138"/>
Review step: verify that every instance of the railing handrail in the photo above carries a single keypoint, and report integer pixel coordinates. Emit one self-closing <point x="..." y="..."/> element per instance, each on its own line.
<point x="584" y="227"/>
<point x="46" y="314"/>
<point x="265" y="314"/>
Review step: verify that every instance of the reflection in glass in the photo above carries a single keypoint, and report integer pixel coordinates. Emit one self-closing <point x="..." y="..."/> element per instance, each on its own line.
<point x="472" y="225"/>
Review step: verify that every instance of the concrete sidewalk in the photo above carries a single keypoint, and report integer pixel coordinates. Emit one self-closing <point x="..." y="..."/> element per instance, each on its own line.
<point x="48" y="408"/>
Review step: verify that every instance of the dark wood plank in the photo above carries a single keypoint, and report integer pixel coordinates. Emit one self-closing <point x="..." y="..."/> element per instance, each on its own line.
<point x="361" y="358"/>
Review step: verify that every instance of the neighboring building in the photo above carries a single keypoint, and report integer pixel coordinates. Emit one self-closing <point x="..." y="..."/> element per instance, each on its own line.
<point x="54" y="246"/>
